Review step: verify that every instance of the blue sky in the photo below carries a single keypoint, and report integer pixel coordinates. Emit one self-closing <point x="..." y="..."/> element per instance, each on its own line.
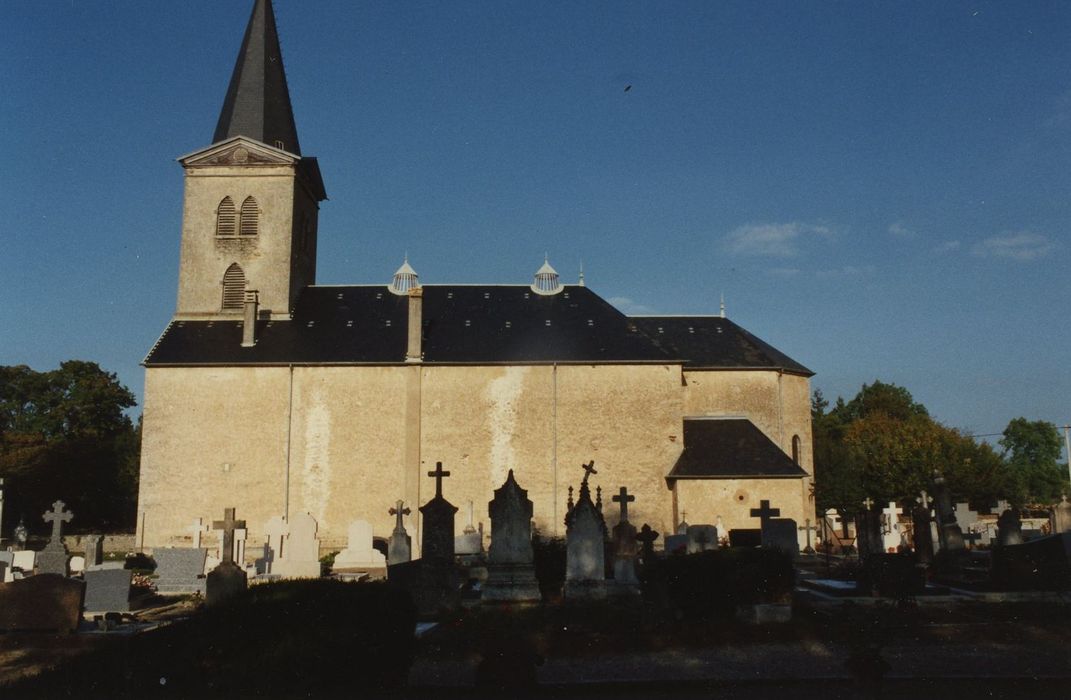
<point x="881" y="190"/>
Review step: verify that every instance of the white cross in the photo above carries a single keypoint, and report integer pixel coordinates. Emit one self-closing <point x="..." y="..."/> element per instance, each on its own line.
<point x="197" y="528"/>
<point x="239" y="545"/>
<point x="276" y="529"/>
<point x="891" y="515"/>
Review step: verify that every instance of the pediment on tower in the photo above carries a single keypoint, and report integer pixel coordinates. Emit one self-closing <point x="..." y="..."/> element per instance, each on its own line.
<point x="239" y="150"/>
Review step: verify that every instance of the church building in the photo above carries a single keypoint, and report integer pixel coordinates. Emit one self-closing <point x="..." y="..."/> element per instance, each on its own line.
<point x="276" y="396"/>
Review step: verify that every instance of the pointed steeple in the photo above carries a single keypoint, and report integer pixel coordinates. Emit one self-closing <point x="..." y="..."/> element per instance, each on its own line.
<point x="258" y="103"/>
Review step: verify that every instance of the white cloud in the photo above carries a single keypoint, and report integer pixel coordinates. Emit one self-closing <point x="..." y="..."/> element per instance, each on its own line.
<point x="947" y="247"/>
<point x="846" y="271"/>
<point x="772" y="240"/>
<point x="629" y="307"/>
<point x="900" y="231"/>
<point x="1023" y="246"/>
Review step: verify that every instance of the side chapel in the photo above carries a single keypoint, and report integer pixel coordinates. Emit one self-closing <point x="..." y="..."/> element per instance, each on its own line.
<point x="277" y="396"/>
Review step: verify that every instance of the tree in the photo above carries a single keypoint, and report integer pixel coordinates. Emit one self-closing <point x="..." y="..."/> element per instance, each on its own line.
<point x="1031" y="453"/>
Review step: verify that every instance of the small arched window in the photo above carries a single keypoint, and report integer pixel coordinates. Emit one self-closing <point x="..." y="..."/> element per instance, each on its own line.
<point x="225" y="218"/>
<point x="233" y="288"/>
<point x="248" y="223"/>
<point x="796" y="449"/>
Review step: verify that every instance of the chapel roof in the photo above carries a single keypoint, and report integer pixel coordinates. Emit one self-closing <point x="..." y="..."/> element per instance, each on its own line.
<point x="730" y="448"/>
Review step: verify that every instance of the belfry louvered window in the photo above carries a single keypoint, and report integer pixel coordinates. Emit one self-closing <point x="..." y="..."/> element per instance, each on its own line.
<point x="233" y="288"/>
<point x="225" y="218"/>
<point x="248" y="223"/>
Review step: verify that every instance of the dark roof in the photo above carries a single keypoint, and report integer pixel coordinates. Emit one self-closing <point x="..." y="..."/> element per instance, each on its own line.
<point x="728" y="448"/>
<point x="257" y="105"/>
<point x="479" y="324"/>
<point x="715" y="342"/>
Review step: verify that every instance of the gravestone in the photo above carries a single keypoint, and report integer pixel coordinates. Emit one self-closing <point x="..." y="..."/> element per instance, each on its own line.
<point x="94" y="549"/>
<point x="400" y="545"/>
<point x="227" y="579"/>
<point x="1042" y="564"/>
<point x="920" y="530"/>
<point x="7" y="562"/>
<point x="868" y="530"/>
<point x="197" y="530"/>
<point x="300" y="550"/>
<point x="808" y="528"/>
<point x="510" y="572"/>
<point x="747" y="538"/>
<point x="179" y="571"/>
<point x="677" y="543"/>
<point x="625" y="549"/>
<point x="647" y="538"/>
<point x="43" y="603"/>
<point x="470" y="541"/>
<point x="275" y="532"/>
<point x="24" y="560"/>
<point x="54" y="558"/>
<point x="1009" y="528"/>
<point x="108" y="590"/>
<point x="781" y="533"/>
<point x="702" y="538"/>
<point x="949" y="531"/>
<point x="240" y="535"/>
<point x="438" y="534"/>
<point x="359" y="555"/>
<point x="1061" y="517"/>
<point x="890" y="526"/>
<point x="585" y="550"/>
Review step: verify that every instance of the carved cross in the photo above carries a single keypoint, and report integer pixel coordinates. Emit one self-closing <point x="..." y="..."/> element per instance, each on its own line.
<point x="868" y="502"/>
<point x="228" y="525"/>
<point x="399" y="510"/>
<point x="624" y="499"/>
<point x="439" y="474"/>
<point x="589" y="469"/>
<point x="197" y="527"/>
<point x="764" y="512"/>
<point x="57" y="517"/>
<point x="809" y="528"/>
<point x="646" y="537"/>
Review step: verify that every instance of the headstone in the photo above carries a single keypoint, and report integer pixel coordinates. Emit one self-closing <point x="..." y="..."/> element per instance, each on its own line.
<point x="808" y="528"/>
<point x="94" y="549"/>
<point x="24" y="560"/>
<point x="275" y="532"/>
<point x="920" y="530"/>
<point x="510" y="572"/>
<point x="702" y="538"/>
<point x="975" y="531"/>
<point x="48" y="602"/>
<point x="585" y="551"/>
<point x="179" y="570"/>
<point x="1061" y="517"/>
<point x="108" y="590"/>
<point x="77" y="565"/>
<point x="781" y="533"/>
<point x="647" y="538"/>
<point x="1043" y="564"/>
<point x="625" y="549"/>
<point x="54" y="558"/>
<point x="438" y="533"/>
<point x="400" y="545"/>
<point x="301" y="550"/>
<point x="890" y="526"/>
<point x="868" y="530"/>
<point x="197" y="529"/>
<point x="227" y="579"/>
<point x="1009" y="528"/>
<point x="747" y="538"/>
<point x="240" y="534"/>
<point x="949" y="531"/>
<point x="359" y="555"/>
<point x="7" y="562"/>
<point x="677" y="542"/>
<point x="470" y="541"/>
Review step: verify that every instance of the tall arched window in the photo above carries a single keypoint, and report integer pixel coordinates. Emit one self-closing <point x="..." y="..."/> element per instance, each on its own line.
<point x="225" y="218"/>
<point x="233" y="288"/>
<point x="796" y="449"/>
<point x="248" y="224"/>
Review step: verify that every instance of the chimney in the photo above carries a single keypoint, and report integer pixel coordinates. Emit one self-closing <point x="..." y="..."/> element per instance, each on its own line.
<point x="249" y="323"/>
<point x="414" y="351"/>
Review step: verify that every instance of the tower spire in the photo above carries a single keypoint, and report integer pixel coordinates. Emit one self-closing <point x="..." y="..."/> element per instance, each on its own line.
<point x="258" y="102"/>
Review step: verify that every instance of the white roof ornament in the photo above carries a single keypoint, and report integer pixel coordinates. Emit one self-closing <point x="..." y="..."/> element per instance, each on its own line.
<point x="405" y="279"/>
<point x="546" y="280"/>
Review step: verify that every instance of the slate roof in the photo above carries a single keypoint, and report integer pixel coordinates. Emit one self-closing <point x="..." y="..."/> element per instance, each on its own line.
<point x="707" y="342"/>
<point x="729" y="448"/>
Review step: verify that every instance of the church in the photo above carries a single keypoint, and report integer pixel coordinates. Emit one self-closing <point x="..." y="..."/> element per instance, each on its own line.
<point x="276" y="396"/>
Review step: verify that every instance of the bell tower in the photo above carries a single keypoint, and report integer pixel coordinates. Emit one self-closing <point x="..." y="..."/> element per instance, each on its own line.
<point x="251" y="201"/>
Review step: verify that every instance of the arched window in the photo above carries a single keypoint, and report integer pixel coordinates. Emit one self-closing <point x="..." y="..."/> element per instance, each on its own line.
<point x="233" y="288"/>
<point x="225" y="218"/>
<point x="796" y="449"/>
<point x="248" y="223"/>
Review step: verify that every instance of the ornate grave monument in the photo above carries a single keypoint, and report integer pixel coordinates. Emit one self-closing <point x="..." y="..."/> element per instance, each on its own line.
<point x="359" y="555"/>
<point x="625" y="549"/>
<point x="510" y="572"/>
<point x="228" y="578"/>
<point x="54" y="558"/>
<point x="300" y="550"/>
<point x="438" y="531"/>
<point x="585" y="563"/>
<point x="400" y="545"/>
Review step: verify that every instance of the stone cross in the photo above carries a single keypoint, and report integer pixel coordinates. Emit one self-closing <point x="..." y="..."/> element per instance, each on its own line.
<point x="57" y="517"/>
<point x="228" y="525"/>
<point x="439" y="474"/>
<point x="399" y="510"/>
<point x="925" y="500"/>
<point x="891" y="513"/>
<point x="809" y="529"/>
<point x="868" y="502"/>
<point x="276" y="530"/>
<point x="624" y="499"/>
<point x="197" y="528"/>
<point x="764" y="512"/>
<point x="589" y="469"/>
<point x="646" y="538"/>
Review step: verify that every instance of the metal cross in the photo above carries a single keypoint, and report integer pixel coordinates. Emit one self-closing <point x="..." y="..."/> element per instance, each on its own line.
<point x="439" y="474"/>
<point x="764" y="512"/>
<point x="808" y="527"/>
<point x="57" y="517"/>
<point x="228" y="525"/>
<point x="589" y="469"/>
<point x="624" y="499"/>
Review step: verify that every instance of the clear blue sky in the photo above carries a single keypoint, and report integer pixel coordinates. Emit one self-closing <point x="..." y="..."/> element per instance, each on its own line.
<point x="881" y="190"/>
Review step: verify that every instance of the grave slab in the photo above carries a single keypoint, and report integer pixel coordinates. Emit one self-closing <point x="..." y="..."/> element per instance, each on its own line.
<point x="108" y="590"/>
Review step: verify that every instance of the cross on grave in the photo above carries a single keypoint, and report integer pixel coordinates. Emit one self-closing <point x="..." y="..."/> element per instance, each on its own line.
<point x="868" y="502"/>
<point x="624" y="499"/>
<point x="57" y="517"/>
<point x="764" y="512"/>
<point x="228" y="525"/>
<point x="197" y="527"/>
<point x="809" y="528"/>
<point x="646" y="537"/>
<point x="439" y="474"/>
<point x="589" y="469"/>
<point x="924" y="499"/>
<point x="399" y="510"/>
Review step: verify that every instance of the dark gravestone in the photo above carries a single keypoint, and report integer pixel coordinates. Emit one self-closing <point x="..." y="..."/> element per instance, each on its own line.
<point x="948" y="530"/>
<point x="676" y="544"/>
<point x="400" y="545"/>
<point x="180" y="571"/>
<point x="228" y="578"/>
<point x="1061" y="517"/>
<point x="868" y="533"/>
<point x="438" y="539"/>
<point x="702" y="538"/>
<point x="920" y="533"/>
<point x="54" y="558"/>
<point x="4" y="566"/>
<point x="745" y="538"/>
<point x="1040" y="564"/>
<point x="647" y="538"/>
<point x="108" y="590"/>
<point x="585" y="551"/>
<point x="46" y="602"/>
<point x="94" y="549"/>
<point x="1009" y="528"/>
<point x="782" y="534"/>
<point x="510" y="572"/>
<point x="623" y="537"/>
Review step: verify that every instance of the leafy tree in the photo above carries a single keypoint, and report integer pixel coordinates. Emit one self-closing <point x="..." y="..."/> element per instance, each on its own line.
<point x="1032" y="452"/>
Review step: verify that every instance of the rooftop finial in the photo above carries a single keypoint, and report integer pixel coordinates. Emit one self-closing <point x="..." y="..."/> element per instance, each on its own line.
<point x="546" y="280"/>
<point x="581" y="282"/>
<point x="405" y="278"/>
<point x="723" y="304"/>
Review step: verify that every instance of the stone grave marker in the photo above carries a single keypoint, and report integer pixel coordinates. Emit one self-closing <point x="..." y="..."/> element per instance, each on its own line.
<point x="240" y="535"/>
<point x="54" y="558"/>
<point x="808" y="528"/>
<point x="24" y="561"/>
<point x="438" y="529"/>
<point x="275" y="531"/>
<point x="1061" y="517"/>
<point x="890" y="526"/>
<point x="1009" y="528"/>
<point x="7" y="562"/>
<point x="677" y="543"/>
<point x="745" y="537"/>
<point x="510" y="571"/>
<point x="949" y="531"/>
<point x="868" y="530"/>
<point x="921" y="536"/>
<point x="94" y="549"/>
<point x="400" y="544"/>
<point x="359" y="555"/>
<point x="782" y="534"/>
<point x="197" y="530"/>
<point x="108" y="590"/>
<point x="702" y="538"/>
<point x="179" y="570"/>
<point x="47" y="602"/>
<point x="624" y="547"/>
<point x="647" y="538"/>
<point x="228" y="578"/>
<point x="585" y="551"/>
<point x="301" y="550"/>
<point x="470" y="541"/>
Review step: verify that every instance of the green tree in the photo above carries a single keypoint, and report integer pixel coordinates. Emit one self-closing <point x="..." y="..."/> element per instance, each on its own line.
<point x="1032" y="453"/>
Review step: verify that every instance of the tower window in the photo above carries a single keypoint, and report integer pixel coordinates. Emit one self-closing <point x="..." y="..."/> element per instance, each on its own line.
<point x="225" y="218"/>
<point x="248" y="224"/>
<point x="233" y="288"/>
<point x="796" y="449"/>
